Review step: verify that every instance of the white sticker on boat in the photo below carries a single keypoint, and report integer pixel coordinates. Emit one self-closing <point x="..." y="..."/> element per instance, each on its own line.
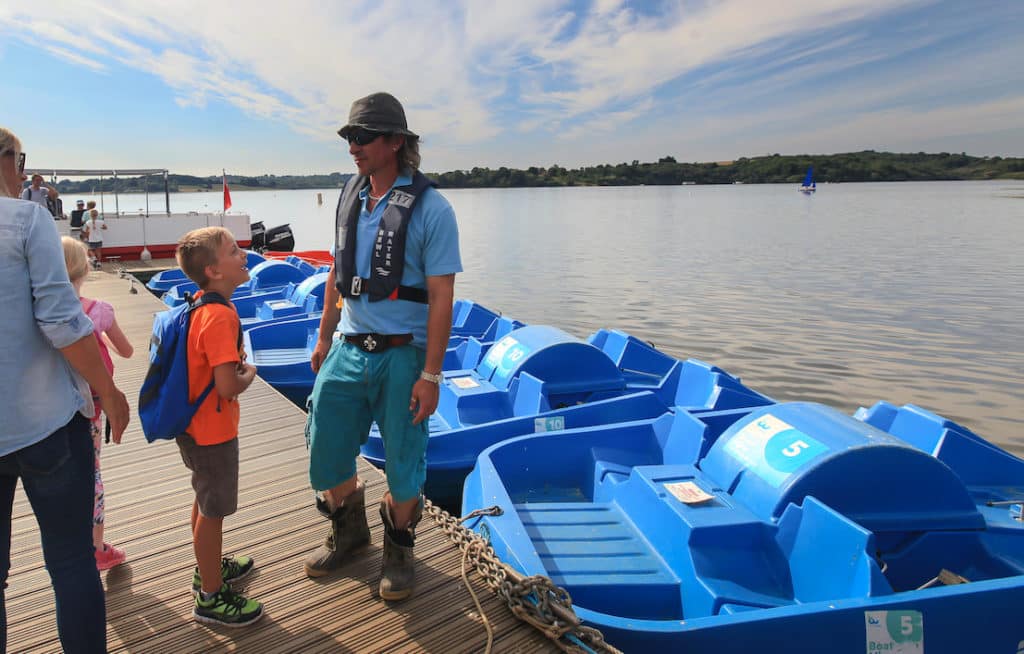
<point x="554" y="423"/>
<point x="465" y="382"/>
<point x="894" y="632"/>
<point x="773" y="449"/>
<point x="497" y="351"/>
<point x="688" y="492"/>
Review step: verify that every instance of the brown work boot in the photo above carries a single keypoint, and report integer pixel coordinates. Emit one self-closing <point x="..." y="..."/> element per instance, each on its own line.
<point x="398" y="567"/>
<point x="348" y="533"/>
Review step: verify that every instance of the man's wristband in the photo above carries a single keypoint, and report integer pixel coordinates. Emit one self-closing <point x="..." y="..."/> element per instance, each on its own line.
<point x="430" y="377"/>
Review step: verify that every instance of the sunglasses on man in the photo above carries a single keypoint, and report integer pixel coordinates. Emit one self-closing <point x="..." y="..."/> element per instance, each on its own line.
<point x="360" y="136"/>
<point x="21" y="160"/>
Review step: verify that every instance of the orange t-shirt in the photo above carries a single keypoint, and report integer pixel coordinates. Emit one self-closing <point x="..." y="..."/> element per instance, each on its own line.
<point x="212" y="341"/>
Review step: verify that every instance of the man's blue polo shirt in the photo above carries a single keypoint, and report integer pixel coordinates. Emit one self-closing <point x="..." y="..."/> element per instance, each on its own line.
<point x="431" y="249"/>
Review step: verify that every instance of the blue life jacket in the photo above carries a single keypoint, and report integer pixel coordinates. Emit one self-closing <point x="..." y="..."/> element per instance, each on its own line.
<point x="388" y="259"/>
<point x="164" y="406"/>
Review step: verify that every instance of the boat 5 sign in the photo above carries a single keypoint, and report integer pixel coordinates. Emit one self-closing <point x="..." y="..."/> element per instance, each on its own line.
<point x="894" y="632"/>
<point x="772" y="449"/>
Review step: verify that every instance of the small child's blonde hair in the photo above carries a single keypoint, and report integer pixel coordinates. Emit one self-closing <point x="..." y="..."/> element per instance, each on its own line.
<point x="75" y="258"/>
<point x="198" y="249"/>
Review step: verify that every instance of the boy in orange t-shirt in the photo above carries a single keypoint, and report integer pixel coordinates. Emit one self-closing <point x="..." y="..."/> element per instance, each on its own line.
<point x="211" y="258"/>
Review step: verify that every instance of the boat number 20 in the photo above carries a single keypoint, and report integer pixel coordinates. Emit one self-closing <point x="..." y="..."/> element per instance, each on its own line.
<point x="795" y="448"/>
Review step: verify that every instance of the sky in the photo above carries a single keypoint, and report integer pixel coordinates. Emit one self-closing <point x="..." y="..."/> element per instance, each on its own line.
<point x="261" y="87"/>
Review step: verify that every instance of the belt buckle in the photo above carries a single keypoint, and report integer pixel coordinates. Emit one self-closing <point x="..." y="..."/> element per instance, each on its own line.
<point x="370" y="343"/>
<point x="357" y="286"/>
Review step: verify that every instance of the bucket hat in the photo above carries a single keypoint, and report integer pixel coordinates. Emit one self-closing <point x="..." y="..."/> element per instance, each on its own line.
<point x="377" y="112"/>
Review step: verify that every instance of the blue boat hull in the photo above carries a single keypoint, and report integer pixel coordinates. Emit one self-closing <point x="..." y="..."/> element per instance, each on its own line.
<point x="281" y="353"/>
<point x="982" y="620"/>
<point x="540" y="379"/>
<point x="787" y="528"/>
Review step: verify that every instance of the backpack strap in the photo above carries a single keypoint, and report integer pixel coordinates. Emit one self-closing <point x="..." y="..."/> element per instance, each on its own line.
<point x="209" y="297"/>
<point x="212" y="297"/>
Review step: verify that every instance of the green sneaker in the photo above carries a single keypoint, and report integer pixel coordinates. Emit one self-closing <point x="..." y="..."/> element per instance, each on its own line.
<point x="228" y="608"/>
<point x="231" y="570"/>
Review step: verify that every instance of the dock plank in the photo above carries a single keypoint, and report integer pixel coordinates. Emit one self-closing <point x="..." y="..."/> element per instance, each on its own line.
<point x="149" y="498"/>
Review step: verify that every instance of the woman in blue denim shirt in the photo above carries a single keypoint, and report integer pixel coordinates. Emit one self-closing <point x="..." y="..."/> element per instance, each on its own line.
<point x="44" y="437"/>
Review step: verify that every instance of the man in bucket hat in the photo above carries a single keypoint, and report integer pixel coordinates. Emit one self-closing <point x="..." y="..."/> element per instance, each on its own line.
<point x="396" y="255"/>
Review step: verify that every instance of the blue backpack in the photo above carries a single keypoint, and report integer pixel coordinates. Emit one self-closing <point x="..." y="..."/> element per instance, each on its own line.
<point x="163" y="399"/>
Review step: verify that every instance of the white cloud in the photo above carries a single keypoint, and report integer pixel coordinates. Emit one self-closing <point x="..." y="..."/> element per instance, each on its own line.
<point x="74" y="57"/>
<point x="474" y="73"/>
<point x="604" y="123"/>
<point x="620" y="55"/>
<point x="900" y="128"/>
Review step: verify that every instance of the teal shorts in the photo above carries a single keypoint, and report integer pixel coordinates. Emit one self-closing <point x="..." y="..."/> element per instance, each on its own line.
<point x="354" y="389"/>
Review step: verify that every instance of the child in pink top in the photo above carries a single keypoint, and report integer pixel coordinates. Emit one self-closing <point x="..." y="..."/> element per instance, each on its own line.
<point x="110" y="337"/>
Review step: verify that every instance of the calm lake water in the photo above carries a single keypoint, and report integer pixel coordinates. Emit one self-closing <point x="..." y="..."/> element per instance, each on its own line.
<point x="908" y="292"/>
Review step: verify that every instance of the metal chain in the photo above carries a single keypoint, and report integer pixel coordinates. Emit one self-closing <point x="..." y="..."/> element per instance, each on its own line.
<point x="535" y="600"/>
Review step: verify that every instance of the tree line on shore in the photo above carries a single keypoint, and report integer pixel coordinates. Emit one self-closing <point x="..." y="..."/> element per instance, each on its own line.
<point x="866" y="166"/>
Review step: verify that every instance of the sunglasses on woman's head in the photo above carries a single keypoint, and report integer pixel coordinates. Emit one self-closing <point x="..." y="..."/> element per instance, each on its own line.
<point x="360" y="136"/>
<point x="20" y="164"/>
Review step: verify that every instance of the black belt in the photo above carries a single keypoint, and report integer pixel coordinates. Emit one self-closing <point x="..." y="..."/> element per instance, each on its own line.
<point x="374" y="343"/>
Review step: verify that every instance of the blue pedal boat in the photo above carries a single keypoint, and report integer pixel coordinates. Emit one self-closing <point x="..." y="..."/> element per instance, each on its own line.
<point x="468" y="344"/>
<point x="541" y="379"/>
<point x="281" y="352"/>
<point x="789" y="527"/>
<point x="270" y="276"/>
<point x="281" y="349"/>
<point x="165" y="280"/>
<point x="302" y="300"/>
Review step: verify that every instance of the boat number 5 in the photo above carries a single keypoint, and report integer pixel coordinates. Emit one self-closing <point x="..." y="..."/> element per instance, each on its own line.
<point x="795" y="448"/>
<point x="907" y="624"/>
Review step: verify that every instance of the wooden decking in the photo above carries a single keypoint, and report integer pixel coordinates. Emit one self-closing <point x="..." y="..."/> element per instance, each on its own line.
<point x="149" y="600"/>
<point x="142" y="270"/>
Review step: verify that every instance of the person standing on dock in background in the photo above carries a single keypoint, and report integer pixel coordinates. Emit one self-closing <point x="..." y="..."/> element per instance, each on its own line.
<point x="93" y="228"/>
<point x="36" y="192"/>
<point x="44" y="436"/>
<point x="75" y="224"/>
<point x="54" y="204"/>
<point x="396" y="256"/>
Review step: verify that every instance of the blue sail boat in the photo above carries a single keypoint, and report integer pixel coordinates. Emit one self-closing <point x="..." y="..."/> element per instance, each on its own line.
<point x="808" y="186"/>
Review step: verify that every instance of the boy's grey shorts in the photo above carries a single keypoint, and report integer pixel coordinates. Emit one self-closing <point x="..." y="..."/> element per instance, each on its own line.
<point x="214" y="474"/>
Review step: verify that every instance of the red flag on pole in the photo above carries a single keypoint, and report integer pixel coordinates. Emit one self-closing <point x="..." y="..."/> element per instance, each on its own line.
<point x="227" y="192"/>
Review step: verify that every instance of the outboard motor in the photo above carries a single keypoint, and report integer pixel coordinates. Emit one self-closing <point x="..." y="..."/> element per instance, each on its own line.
<point x="259" y="237"/>
<point x="279" y="239"/>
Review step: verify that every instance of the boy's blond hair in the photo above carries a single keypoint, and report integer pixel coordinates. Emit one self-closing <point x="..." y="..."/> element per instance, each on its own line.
<point x="75" y="258"/>
<point x="197" y="250"/>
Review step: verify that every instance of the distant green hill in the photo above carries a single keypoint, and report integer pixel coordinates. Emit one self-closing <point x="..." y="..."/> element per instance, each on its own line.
<point x="866" y="166"/>
<point x="188" y="183"/>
